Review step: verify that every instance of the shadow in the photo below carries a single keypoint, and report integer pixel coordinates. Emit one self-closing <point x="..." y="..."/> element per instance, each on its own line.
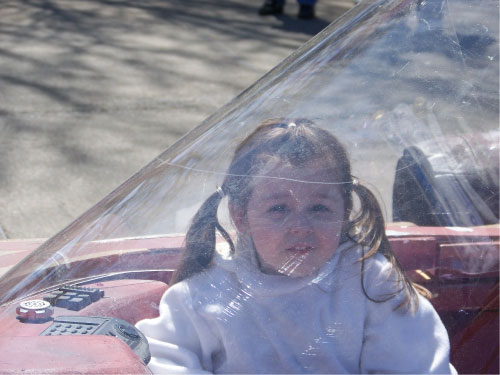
<point x="429" y="37"/>
<point x="475" y="49"/>
<point x="92" y="90"/>
<point x="105" y="30"/>
<point x="309" y="27"/>
<point x="472" y="47"/>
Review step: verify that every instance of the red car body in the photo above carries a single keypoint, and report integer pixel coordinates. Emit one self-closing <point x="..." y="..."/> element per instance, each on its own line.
<point x="441" y="259"/>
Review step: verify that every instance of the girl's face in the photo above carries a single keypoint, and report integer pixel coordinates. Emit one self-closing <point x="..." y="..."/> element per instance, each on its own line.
<point x="295" y="225"/>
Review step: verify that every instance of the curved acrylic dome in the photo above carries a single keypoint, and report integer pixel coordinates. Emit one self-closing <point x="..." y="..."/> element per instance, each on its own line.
<point x="410" y="88"/>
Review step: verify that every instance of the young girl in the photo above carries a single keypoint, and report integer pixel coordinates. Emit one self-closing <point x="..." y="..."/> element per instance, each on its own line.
<point x="310" y="286"/>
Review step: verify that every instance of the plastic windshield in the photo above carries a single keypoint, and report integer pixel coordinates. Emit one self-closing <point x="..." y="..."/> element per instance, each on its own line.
<point x="410" y="89"/>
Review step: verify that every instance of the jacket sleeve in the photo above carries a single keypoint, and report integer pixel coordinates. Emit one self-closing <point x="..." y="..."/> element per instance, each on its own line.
<point x="180" y="342"/>
<point x="401" y="340"/>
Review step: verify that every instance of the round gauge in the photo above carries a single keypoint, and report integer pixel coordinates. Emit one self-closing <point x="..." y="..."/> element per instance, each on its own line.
<point x="35" y="309"/>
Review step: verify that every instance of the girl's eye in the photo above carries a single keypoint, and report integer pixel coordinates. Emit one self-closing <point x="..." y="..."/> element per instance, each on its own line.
<point x="278" y="208"/>
<point x="320" y="208"/>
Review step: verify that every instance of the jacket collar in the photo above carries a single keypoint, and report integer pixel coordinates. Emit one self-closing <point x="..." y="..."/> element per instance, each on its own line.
<point x="245" y="266"/>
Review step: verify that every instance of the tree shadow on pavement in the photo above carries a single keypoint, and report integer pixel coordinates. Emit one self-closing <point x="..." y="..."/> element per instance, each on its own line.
<point x="94" y="89"/>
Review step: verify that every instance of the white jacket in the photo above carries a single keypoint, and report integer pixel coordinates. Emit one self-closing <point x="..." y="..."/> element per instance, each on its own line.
<point x="234" y="319"/>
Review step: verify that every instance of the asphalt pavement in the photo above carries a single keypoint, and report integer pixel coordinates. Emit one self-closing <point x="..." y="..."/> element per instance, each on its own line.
<point x="92" y="90"/>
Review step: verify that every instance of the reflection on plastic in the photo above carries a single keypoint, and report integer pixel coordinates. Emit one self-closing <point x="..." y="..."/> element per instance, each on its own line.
<point x="410" y="88"/>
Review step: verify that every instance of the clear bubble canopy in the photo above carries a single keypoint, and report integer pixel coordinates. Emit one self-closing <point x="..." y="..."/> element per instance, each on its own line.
<point x="410" y="88"/>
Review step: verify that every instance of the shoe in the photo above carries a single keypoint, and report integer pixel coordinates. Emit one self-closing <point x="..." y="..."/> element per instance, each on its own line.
<point x="306" y="12"/>
<point x="271" y="7"/>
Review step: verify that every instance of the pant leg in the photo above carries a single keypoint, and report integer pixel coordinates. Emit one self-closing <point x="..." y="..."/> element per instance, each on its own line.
<point x="306" y="2"/>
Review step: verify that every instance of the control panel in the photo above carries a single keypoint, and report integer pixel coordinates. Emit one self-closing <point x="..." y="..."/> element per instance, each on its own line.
<point x="73" y="297"/>
<point x="95" y="325"/>
<point x="80" y="329"/>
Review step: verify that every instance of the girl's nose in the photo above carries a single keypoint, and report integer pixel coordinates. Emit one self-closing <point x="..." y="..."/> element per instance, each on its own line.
<point x="299" y="224"/>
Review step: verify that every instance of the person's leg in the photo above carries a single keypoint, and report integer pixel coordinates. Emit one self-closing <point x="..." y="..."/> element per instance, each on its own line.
<point x="271" y="7"/>
<point x="306" y="9"/>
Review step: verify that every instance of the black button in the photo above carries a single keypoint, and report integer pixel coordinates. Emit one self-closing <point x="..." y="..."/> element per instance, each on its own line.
<point x="86" y="298"/>
<point x="51" y="298"/>
<point x="127" y="331"/>
<point x="62" y="301"/>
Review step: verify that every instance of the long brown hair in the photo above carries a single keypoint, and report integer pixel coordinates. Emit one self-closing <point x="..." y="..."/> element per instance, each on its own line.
<point x="296" y="141"/>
